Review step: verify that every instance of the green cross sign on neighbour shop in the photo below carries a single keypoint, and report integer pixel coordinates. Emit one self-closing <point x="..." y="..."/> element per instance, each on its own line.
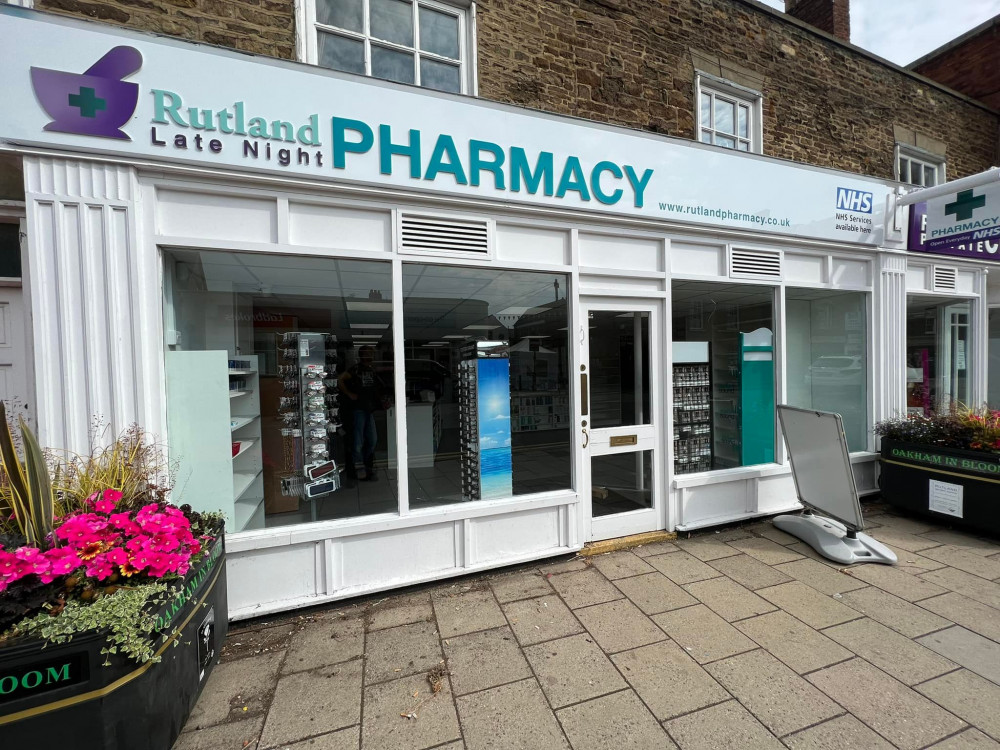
<point x="964" y="205"/>
<point x="87" y="102"/>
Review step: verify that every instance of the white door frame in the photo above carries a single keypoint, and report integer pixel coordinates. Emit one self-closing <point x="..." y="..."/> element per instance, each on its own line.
<point x="15" y="347"/>
<point x="597" y="442"/>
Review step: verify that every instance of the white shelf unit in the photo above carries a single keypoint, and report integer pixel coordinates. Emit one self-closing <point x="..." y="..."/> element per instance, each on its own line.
<point x="207" y="415"/>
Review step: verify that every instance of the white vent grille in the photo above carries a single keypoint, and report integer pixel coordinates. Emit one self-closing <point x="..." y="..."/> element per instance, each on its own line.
<point x="755" y="264"/>
<point x="444" y="235"/>
<point x="945" y="279"/>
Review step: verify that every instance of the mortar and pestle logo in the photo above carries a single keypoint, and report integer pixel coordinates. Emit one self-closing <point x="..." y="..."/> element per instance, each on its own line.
<point x="96" y="102"/>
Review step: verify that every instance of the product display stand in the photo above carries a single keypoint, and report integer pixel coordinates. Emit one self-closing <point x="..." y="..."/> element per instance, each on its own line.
<point x="215" y="434"/>
<point x="484" y="421"/>
<point x="692" y="407"/>
<point x="309" y="416"/>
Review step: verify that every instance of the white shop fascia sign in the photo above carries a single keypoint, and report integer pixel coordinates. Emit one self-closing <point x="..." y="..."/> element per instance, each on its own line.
<point x="83" y="87"/>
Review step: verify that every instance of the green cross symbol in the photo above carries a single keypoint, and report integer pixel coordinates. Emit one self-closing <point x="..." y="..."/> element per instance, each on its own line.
<point x="87" y="102"/>
<point x="965" y="204"/>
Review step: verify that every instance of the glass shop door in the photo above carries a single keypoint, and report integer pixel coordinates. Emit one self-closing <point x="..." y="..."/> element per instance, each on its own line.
<point x="620" y="400"/>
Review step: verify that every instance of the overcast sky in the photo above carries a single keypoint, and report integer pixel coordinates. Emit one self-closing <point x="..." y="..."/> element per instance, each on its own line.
<point x="905" y="30"/>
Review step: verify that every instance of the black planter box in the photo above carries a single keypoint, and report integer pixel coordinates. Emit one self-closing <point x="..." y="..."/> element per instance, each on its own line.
<point x="63" y="696"/>
<point x="907" y="470"/>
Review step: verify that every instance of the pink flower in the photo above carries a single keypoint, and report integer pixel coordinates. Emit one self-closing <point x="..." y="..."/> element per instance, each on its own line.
<point x="63" y="561"/>
<point x="33" y="558"/>
<point x="12" y="567"/>
<point x="124" y="522"/>
<point x="100" y="567"/>
<point x="81" y="529"/>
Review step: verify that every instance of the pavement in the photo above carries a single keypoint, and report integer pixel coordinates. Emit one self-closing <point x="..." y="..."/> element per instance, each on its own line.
<point x="740" y="638"/>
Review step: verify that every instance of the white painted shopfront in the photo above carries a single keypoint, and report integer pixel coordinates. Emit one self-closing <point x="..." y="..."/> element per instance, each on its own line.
<point x="621" y="270"/>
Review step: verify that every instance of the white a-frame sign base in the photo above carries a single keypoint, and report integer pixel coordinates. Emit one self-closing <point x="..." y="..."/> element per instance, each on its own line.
<point x="833" y="540"/>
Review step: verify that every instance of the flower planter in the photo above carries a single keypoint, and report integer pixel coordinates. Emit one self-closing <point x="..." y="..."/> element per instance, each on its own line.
<point x="955" y="486"/>
<point x="62" y="695"/>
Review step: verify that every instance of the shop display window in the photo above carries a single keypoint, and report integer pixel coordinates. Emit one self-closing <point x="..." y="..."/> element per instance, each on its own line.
<point x="488" y="406"/>
<point x="827" y="356"/>
<point x="279" y="383"/>
<point x="938" y="354"/>
<point x="723" y="379"/>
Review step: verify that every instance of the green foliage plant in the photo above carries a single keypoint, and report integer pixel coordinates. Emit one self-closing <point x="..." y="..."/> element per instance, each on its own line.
<point x="28" y="486"/>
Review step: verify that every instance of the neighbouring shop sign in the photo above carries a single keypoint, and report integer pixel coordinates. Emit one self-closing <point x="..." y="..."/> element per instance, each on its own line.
<point x="965" y="224"/>
<point x="77" y="86"/>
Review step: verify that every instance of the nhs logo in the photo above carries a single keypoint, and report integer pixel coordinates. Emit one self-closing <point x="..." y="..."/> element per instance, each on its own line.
<point x="854" y="200"/>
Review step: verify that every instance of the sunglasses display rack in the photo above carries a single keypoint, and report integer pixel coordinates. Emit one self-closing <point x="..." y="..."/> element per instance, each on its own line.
<point x="692" y="417"/>
<point x="309" y="414"/>
<point x="477" y="381"/>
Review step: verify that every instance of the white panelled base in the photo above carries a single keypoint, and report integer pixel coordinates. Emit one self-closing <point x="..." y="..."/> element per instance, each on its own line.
<point x="272" y="579"/>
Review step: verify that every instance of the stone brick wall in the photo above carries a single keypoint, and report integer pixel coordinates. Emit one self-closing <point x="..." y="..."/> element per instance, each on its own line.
<point x="262" y="26"/>
<point x="972" y="66"/>
<point x="630" y="62"/>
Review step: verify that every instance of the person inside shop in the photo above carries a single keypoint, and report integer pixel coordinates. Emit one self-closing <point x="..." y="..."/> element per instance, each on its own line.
<point x="365" y="393"/>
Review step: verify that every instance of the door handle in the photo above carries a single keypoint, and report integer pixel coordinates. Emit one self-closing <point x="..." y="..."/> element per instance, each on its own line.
<point x="586" y="437"/>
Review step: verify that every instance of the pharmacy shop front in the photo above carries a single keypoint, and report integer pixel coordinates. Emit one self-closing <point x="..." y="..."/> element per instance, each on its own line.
<point x="397" y="335"/>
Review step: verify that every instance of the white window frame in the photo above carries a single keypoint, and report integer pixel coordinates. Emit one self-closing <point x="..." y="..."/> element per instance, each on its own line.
<point x="733" y="92"/>
<point x="919" y="156"/>
<point x="308" y="29"/>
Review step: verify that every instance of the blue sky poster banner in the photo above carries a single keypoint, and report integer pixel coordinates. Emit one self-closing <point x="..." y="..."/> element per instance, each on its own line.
<point x="495" y="471"/>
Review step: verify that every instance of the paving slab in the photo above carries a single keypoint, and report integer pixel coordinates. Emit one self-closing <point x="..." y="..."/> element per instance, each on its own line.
<point x="722" y="727"/>
<point x="254" y="641"/>
<point x="509" y="717"/>
<point x="526" y="585"/>
<point x="768" y="552"/>
<point x="621" y="564"/>
<point x="806" y="551"/>
<point x="680" y="567"/>
<point x="400" y="651"/>
<point x="324" y="642"/>
<point x="809" y="605"/>
<point x="965" y="541"/>
<point x="914" y="563"/>
<point x="668" y="680"/>
<point x="965" y="584"/>
<point x="541" y="619"/>
<point x="728" y="599"/>
<point x="750" y="572"/>
<point x="907" y="661"/>
<point x="902" y="539"/>
<point x="703" y="634"/>
<point x="708" y="547"/>
<point x="793" y="642"/>
<point x="969" y="649"/>
<point x="970" y="739"/>
<point x="842" y="733"/>
<point x="311" y="703"/>
<point x="618" y="720"/>
<point x="619" y="625"/>
<point x="583" y="588"/>
<point x="907" y="523"/>
<point x="780" y="699"/>
<point x="390" y="614"/>
<point x="908" y="619"/>
<point x="821" y="577"/>
<point x="659" y="548"/>
<point x="387" y="706"/>
<point x="573" y="669"/>
<point x="243" y="683"/>
<point x="484" y="659"/>
<point x="904" y="585"/>
<point x="768" y="530"/>
<point x="467" y="612"/>
<point x="966" y="612"/>
<point x="963" y="559"/>
<point x="898" y="713"/>
<point x="559" y="567"/>
<point x="654" y="593"/>
<point x="968" y="696"/>
<point x="343" y="739"/>
<point x="237" y="735"/>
